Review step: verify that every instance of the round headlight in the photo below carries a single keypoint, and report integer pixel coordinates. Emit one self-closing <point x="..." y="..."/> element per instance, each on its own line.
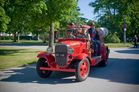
<point x="70" y="50"/>
<point x="49" y="50"/>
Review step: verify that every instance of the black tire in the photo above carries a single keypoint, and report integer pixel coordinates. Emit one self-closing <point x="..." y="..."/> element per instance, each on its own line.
<point x="78" y="74"/>
<point x="42" y="73"/>
<point x="104" y="63"/>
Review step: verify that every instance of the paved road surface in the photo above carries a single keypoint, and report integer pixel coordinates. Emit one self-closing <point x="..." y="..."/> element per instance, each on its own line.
<point x="121" y="75"/>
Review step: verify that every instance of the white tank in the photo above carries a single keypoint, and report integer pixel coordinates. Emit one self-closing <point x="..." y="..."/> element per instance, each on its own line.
<point x="104" y="31"/>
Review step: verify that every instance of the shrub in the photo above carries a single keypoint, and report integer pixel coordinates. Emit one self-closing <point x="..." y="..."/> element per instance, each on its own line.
<point x="112" y="38"/>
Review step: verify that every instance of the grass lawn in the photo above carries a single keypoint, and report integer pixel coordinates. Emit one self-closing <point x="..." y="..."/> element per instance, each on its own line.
<point x="23" y="42"/>
<point x="14" y="57"/>
<point x="119" y="45"/>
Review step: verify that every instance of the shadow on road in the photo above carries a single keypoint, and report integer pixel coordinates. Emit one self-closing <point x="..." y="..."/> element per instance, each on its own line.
<point x="29" y="75"/>
<point x="133" y="51"/>
<point x="118" y="70"/>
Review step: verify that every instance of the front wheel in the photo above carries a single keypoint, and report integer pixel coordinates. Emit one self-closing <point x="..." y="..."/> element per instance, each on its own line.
<point x="82" y="70"/>
<point x="42" y="73"/>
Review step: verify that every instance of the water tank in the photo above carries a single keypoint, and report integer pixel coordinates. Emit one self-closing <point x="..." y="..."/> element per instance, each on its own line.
<point x="104" y="31"/>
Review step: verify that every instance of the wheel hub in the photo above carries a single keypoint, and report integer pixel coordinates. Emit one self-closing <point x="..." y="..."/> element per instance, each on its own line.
<point x="84" y="69"/>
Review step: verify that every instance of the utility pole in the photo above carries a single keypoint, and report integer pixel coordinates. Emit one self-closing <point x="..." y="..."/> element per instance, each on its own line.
<point x="124" y="29"/>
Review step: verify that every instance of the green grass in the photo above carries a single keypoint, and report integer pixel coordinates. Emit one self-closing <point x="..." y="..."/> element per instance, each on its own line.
<point x="118" y="45"/>
<point x="23" y="42"/>
<point x="14" y="57"/>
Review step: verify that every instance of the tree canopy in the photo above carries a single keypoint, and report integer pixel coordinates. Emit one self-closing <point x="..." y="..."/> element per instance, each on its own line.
<point x="36" y="16"/>
<point x="4" y="19"/>
<point x="58" y="11"/>
<point x="114" y="13"/>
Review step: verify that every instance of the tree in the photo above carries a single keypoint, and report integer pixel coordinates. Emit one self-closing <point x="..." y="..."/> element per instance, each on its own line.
<point x="22" y="13"/>
<point x="58" y="10"/>
<point x="4" y="19"/>
<point x="113" y="13"/>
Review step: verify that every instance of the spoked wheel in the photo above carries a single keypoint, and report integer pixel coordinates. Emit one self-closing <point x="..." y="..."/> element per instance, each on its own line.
<point x="82" y="70"/>
<point x="42" y="73"/>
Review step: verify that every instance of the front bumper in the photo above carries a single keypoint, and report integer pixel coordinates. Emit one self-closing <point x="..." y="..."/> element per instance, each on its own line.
<point x="58" y="69"/>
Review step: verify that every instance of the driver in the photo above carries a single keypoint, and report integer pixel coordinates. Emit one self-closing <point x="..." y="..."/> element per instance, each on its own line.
<point x="82" y="33"/>
<point x="71" y="28"/>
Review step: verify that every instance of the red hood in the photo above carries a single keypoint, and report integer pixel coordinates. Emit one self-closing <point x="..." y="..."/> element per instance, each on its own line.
<point x="76" y="44"/>
<point x="72" y="42"/>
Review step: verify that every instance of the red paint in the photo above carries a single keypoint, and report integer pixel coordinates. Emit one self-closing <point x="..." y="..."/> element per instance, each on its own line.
<point x="81" y="51"/>
<point x="84" y="69"/>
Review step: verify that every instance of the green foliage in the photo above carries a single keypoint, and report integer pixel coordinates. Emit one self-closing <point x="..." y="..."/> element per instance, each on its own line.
<point x="26" y="15"/>
<point x="58" y="10"/>
<point x="22" y="13"/>
<point x="36" y="16"/>
<point x="112" y="38"/>
<point x="4" y="19"/>
<point x="113" y="14"/>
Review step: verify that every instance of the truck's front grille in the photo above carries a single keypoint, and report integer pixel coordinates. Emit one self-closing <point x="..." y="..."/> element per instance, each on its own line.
<point x="61" y="54"/>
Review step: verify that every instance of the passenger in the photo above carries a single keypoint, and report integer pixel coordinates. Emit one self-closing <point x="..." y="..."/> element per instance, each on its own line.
<point x="84" y="29"/>
<point x="94" y="38"/>
<point x="70" y="34"/>
<point x="83" y="33"/>
<point x="79" y="33"/>
<point x="71" y="27"/>
<point x="87" y="36"/>
<point x="100" y="35"/>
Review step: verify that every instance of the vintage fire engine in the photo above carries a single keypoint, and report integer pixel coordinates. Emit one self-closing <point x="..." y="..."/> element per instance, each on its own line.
<point x="71" y="55"/>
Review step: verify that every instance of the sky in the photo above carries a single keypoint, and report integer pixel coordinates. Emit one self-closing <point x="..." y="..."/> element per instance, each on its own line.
<point x="86" y="9"/>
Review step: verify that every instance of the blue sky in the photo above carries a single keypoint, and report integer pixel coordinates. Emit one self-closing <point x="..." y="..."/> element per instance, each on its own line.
<point x="86" y="9"/>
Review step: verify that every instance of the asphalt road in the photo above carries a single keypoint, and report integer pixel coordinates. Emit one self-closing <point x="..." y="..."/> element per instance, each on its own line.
<point x="120" y="75"/>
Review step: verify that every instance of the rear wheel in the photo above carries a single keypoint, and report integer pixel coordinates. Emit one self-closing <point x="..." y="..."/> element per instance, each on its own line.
<point x="104" y="63"/>
<point x="82" y="70"/>
<point x="42" y="73"/>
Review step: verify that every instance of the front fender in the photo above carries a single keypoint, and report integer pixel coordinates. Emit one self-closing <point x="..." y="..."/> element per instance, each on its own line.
<point x="49" y="57"/>
<point x="42" y="54"/>
<point x="82" y="56"/>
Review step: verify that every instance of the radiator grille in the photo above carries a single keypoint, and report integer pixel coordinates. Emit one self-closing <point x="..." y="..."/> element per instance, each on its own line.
<point x="61" y="54"/>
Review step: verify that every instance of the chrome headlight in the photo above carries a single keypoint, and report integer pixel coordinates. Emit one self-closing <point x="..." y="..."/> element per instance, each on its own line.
<point x="49" y="50"/>
<point x="70" y="50"/>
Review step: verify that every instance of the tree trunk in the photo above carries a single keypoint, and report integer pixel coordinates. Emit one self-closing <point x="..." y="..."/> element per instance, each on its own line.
<point x="18" y="36"/>
<point x="51" y="35"/>
<point x="44" y="38"/>
<point x="37" y="35"/>
<point x="14" y="40"/>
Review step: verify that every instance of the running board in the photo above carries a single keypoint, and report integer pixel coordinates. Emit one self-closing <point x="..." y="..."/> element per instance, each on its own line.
<point x="97" y="59"/>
